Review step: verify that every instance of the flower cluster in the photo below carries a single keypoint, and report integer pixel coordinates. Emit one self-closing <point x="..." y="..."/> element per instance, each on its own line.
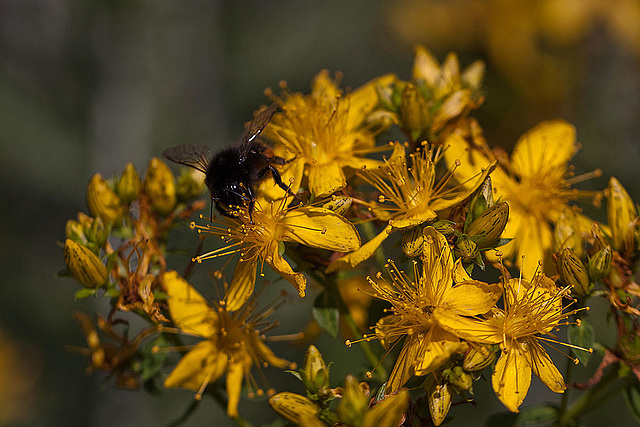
<point x="438" y="211"/>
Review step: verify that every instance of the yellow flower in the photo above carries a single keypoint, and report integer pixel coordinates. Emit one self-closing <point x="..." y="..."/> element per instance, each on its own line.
<point x="261" y="241"/>
<point x="439" y="284"/>
<point x="231" y="345"/>
<point x="531" y="309"/>
<point x="328" y="131"/>
<point x="535" y="182"/>
<point x="413" y="196"/>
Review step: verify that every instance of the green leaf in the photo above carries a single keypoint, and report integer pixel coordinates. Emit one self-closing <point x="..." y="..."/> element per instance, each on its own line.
<point x="582" y="336"/>
<point x="84" y="293"/>
<point x="632" y="397"/>
<point x="326" y="313"/>
<point x="112" y="292"/>
<point x="152" y="361"/>
<point x="295" y="374"/>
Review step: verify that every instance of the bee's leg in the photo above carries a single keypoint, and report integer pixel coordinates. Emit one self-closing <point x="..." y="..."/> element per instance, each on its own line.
<point x="278" y="180"/>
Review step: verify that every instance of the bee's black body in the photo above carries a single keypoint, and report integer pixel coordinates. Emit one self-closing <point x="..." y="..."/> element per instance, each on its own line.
<point x="232" y="173"/>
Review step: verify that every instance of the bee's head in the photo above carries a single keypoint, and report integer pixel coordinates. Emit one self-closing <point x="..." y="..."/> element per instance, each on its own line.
<point x="232" y="196"/>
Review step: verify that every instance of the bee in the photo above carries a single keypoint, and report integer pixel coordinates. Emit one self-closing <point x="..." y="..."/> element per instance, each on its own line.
<point x="232" y="173"/>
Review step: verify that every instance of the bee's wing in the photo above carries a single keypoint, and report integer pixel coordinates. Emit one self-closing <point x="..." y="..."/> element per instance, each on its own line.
<point x="253" y="129"/>
<point x="196" y="156"/>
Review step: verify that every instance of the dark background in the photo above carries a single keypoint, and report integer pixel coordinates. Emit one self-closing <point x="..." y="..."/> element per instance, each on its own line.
<point x="88" y="85"/>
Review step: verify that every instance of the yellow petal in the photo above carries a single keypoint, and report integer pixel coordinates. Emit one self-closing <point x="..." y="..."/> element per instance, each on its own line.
<point x="425" y="66"/>
<point x="450" y="78"/>
<point x="511" y="378"/>
<point x="413" y="218"/>
<point x="189" y="310"/>
<point x="326" y="179"/>
<point x="454" y="105"/>
<point x="291" y="175"/>
<point x="362" y="101"/>
<point x="463" y="191"/>
<point x="354" y="258"/>
<point x="235" y="374"/>
<point x="437" y="350"/>
<point x="459" y="273"/>
<point x="481" y="331"/>
<point x="242" y="282"/>
<point x="323" y="86"/>
<point x="437" y="261"/>
<point x="545" y="149"/>
<point x="403" y="369"/>
<point x="533" y="240"/>
<point x="544" y="368"/>
<point x="279" y="264"/>
<point x="320" y="228"/>
<point x="202" y="365"/>
<point x="472" y="297"/>
<point x="265" y="353"/>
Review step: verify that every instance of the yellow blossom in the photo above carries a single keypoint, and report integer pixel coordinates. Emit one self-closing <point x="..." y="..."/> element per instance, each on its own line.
<point x="232" y="343"/>
<point x="410" y="196"/>
<point x="531" y="310"/>
<point x="328" y="131"/>
<point x="535" y="182"/>
<point x="258" y="238"/>
<point x="440" y="283"/>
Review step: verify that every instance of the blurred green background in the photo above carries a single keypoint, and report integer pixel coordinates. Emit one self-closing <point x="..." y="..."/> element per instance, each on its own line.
<point x="88" y="85"/>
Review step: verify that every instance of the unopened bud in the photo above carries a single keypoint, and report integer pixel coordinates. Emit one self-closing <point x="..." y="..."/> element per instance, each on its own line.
<point x="490" y="225"/>
<point x="315" y="374"/>
<point x="160" y="187"/>
<point x="129" y="185"/>
<point x="478" y="358"/>
<point x="460" y="379"/>
<point x="97" y="233"/>
<point x="354" y="402"/>
<point x="412" y="242"/>
<point x="339" y="204"/>
<point x="293" y="406"/>
<point x="566" y="233"/>
<point x="600" y="263"/>
<point x="444" y="227"/>
<point x="388" y="412"/>
<point x="621" y="215"/>
<point x="102" y="200"/>
<point x="466" y="249"/>
<point x="75" y="231"/>
<point x="440" y="397"/>
<point x="573" y="272"/>
<point x="84" y="265"/>
<point x="414" y="111"/>
<point x="190" y="184"/>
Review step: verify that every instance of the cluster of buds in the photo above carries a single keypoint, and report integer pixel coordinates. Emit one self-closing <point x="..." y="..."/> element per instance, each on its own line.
<point x="356" y="407"/>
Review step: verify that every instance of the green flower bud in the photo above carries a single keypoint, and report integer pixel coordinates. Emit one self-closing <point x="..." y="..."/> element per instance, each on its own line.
<point x="412" y="242"/>
<point x="622" y="216"/>
<point x="160" y="187"/>
<point x="414" y="111"/>
<point x="75" y="231"/>
<point x="293" y="406"/>
<point x="444" y="227"/>
<point x="600" y="263"/>
<point x="315" y="375"/>
<point x="103" y="201"/>
<point x="354" y="403"/>
<point x="97" y="233"/>
<point x="490" y="225"/>
<point x="478" y="358"/>
<point x="482" y="201"/>
<point x="573" y="272"/>
<point x="190" y="185"/>
<point x="466" y="249"/>
<point x="129" y="185"/>
<point x="339" y="204"/>
<point x="440" y="397"/>
<point x="458" y="378"/>
<point x="388" y="412"/>
<point x="84" y="265"/>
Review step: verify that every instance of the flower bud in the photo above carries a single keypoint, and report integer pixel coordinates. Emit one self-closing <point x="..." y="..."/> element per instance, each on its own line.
<point x="102" y="200"/>
<point x="600" y="263"/>
<point x="293" y="406"/>
<point x="478" y="358"/>
<point x="388" y="412"/>
<point x="621" y="215"/>
<point x="190" y="185"/>
<point x="466" y="249"/>
<point x="129" y="184"/>
<point x="460" y="379"/>
<point x="444" y="227"/>
<point x="414" y="111"/>
<point x="412" y="242"/>
<point x="160" y="187"/>
<point x="315" y="374"/>
<point x="566" y="233"/>
<point x="75" y="231"/>
<point x="339" y="204"/>
<point x="84" y="265"/>
<point x="490" y="225"/>
<point x="573" y="272"/>
<point x="354" y="402"/>
<point x="482" y="200"/>
<point x="440" y="397"/>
